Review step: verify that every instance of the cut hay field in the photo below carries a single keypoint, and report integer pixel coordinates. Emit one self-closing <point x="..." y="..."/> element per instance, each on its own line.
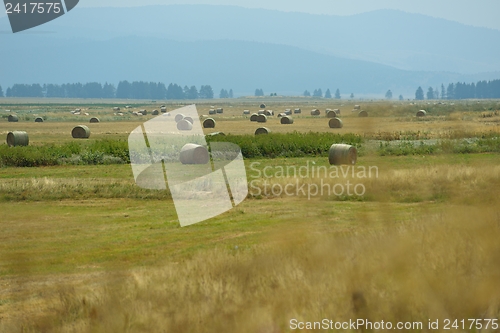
<point x="83" y="249"/>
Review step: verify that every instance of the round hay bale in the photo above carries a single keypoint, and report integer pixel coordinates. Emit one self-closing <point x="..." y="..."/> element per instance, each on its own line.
<point x="194" y="154"/>
<point x="253" y="117"/>
<point x="163" y="109"/>
<point x="17" y="138"/>
<point x="80" y="132"/>
<point x="262" y="130"/>
<point x="116" y="109"/>
<point x="179" y="117"/>
<point x="362" y="114"/>
<point x="220" y="110"/>
<point x="189" y="119"/>
<point x="261" y="112"/>
<point x="94" y="120"/>
<point x="263" y="106"/>
<point x="216" y="133"/>
<point x="38" y="120"/>
<point x="209" y="123"/>
<point x="335" y="123"/>
<point x="144" y="112"/>
<point x="421" y="113"/>
<point x="280" y="115"/>
<point x="261" y="118"/>
<point x="212" y="111"/>
<point x="331" y="113"/>
<point x="337" y="111"/>
<point x="269" y="113"/>
<point x="287" y="120"/>
<point x="315" y="112"/>
<point x="155" y="112"/>
<point x="184" y="125"/>
<point x="12" y="118"/>
<point x="246" y="111"/>
<point x="342" y="154"/>
<point x="357" y="107"/>
<point x="288" y="112"/>
<point x="296" y="111"/>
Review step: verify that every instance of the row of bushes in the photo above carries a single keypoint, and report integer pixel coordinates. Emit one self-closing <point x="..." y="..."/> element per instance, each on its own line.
<point x="97" y="152"/>
<point x="116" y="151"/>
<point x="464" y="146"/>
<point x="288" y="145"/>
<point x="263" y="146"/>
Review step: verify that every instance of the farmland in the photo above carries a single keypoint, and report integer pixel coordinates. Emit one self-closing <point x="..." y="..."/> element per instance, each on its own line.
<point x="83" y="249"/>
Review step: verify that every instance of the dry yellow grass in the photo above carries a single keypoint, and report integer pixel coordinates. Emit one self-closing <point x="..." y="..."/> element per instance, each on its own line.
<point x="312" y="260"/>
<point x="438" y="266"/>
<point x="384" y="118"/>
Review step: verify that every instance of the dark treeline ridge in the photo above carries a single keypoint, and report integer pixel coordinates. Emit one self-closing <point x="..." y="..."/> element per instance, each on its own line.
<point x="125" y="90"/>
<point x="459" y="90"/>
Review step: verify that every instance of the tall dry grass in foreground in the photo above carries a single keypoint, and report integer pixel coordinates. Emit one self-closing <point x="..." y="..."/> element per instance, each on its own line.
<point x="442" y="265"/>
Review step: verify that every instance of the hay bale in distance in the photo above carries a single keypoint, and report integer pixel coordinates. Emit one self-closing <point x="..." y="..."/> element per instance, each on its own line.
<point x="315" y="112"/>
<point x="280" y="115"/>
<point x="261" y="112"/>
<point x="184" y="125"/>
<point x="179" y="117"/>
<point x="194" y="154"/>
<point x="12" y="118"/>
<point x="189" y="119"/>
<point x="269" y="113"/>
<point x="342" y="154"/>
<point x="116" y="109"/>
<point x="246" y="111"/>
<point x="357" y="107"/>
<point x="335" y="123"/>
<point x="17" y="138"/>
<point x="163" y="109"/>
<point x="261" y="118"/>
<point x="209" y="123"/>
<point x="38" y="120"/>
<point x="286" y="120"/>
<point x="94" y="120"/>
<point x="288" y="112"/>
<point x="297" y="111"/>
<point x="263" y="106"/>
<point x="362" y="114"/>
<point x="212" y="111"/>
<point x="253" y="117"/>
<point x="421" y="113"/>
<point x="155" y="112"/>
<point x="337" y="111"/>
<point x="262" y="130"/>
<point x="331" y="113"/>
<point x="80" y="132"/>
<point x="220" y="110"/>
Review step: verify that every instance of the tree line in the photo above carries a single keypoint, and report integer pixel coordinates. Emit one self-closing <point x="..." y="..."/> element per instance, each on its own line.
<point x="480" y="90"/>
<point x="125" y="90"/>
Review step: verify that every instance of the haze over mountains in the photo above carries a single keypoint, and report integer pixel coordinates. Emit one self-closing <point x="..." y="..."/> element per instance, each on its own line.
<point x="244" y="49"/>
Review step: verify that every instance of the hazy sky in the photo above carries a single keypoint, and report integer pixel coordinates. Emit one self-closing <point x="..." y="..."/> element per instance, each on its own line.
<point x="483" y="13"/>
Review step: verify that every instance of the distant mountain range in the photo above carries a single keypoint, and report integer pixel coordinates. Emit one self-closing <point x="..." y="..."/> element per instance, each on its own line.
<point x="245" y="49"/>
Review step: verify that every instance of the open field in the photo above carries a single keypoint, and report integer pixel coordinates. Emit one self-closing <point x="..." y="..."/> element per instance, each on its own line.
<point x="83" y="249"/>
